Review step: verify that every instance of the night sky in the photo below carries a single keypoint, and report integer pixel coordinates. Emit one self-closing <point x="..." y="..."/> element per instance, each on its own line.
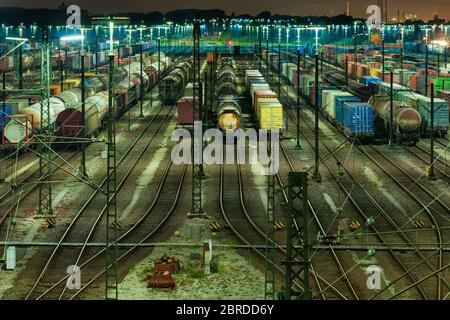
<point x="425" y="9"/>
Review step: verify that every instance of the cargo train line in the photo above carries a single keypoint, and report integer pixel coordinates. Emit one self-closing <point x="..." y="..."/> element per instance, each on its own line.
<point x="439" y="162"/>
<point x="74" y="154"/>
<point x="4" y="200"/>
<point x="388" y="217"/>
<point x="97" y="216"/>
<point x="142" y="224"/>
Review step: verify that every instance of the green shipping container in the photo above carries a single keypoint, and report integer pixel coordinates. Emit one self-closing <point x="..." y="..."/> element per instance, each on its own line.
<point x="441" y="84"/>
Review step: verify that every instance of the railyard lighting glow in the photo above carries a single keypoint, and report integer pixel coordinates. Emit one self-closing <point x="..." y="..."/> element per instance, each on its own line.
<point x="77" y="37"/>
<point x="317" y="36"/>
<point x="442" y="43"/>
<point x="16" y="39"/>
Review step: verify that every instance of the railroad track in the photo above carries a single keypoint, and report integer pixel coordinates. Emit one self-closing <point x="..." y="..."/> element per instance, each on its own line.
<point x="252" y="234"/>
<point x="387" y="216"/>
<point x="341" y="272"/>
<point x="9" y="198"/>
<point x="29" y="177"/>
<point x="138" y="233"/>
<point x="440" y="165"/>
<point x="69" y="232"/>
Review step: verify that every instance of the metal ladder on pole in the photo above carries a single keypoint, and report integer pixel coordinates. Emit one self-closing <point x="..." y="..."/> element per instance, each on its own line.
<point x="45" y="209"/>
<point x="111" y="274"/>
<point x="297" y="257"/>
<point x="269" y="267"/>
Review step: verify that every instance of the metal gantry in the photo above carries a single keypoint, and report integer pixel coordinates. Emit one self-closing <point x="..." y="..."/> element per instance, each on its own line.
<point x="196" y="162"/>
<point x="111" y="274"/>
<point x="269" y="267"/>
<point x="297" y="257"/>
<point x="45" y="208"/>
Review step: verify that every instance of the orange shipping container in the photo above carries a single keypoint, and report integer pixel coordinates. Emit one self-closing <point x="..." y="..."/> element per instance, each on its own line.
<point x="210" y="57"/>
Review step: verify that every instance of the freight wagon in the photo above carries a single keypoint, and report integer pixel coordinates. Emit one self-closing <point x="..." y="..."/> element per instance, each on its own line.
<point x="65" y="107"/>
<point x="172" y="86"/>
<point x="268" y="110"/>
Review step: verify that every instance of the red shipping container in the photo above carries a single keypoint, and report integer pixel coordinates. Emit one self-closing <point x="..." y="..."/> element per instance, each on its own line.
<point x="362" y="70"/>
<point x="185" y="110"/>
<point x="302" y="71"/>
<point x="414" y="83"/>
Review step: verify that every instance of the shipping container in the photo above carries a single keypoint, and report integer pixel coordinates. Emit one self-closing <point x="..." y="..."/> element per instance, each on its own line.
<point x="358" y="118"/>
<point x="369" y="79"/>
<point x="270" y="115"/>
<point x="329" y="100"/>
<point x="185" y="113"/>
<point x="339" y="104"/>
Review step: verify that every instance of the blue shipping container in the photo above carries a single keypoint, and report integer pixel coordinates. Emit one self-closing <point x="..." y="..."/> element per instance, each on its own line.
<point x="8" y="111"/>
<point x="340" y="100"/>
<point x="366" y="80"/>
<point x="358" y="118"/>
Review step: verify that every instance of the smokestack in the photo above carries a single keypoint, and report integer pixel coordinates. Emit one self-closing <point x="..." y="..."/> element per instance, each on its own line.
<point x="348" y="9"/>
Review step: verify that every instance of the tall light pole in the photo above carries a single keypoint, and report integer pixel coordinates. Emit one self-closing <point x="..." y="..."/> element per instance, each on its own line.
<point x="426" y="61"/>
<point x="141" y="43"/>
<point x="130" y="31"/>
<point x="77" y="38"/>
<point x="316" y="174"/>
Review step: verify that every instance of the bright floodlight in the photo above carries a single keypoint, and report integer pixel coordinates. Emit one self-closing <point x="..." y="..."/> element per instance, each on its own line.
<point x="16" y="39"/>
<point x="78" y="37"/>
<point x="442" y="43"/>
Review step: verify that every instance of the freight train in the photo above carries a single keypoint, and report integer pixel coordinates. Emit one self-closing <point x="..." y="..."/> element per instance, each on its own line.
<point x="267" y="109"/>
<point x="172" y="86"/>
<point x="411" y="111"/>
<point x="228" y="106"/>
<point x="31" y="58"/>
<point x="65" y="107"/>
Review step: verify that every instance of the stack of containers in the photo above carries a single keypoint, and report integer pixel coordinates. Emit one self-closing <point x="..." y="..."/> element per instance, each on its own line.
<point x="307" y="84"/>
<point x="286" y="67"/>
<point x="267" y="107"/>
<point x="329" y="100"/>
<point x="270" y="113"/>
<point x="321" y="88"/>
<point x="293" y="75"/>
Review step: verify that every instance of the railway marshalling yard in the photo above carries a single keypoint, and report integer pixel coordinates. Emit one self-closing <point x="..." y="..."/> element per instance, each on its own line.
<point x="373" y="205"/>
